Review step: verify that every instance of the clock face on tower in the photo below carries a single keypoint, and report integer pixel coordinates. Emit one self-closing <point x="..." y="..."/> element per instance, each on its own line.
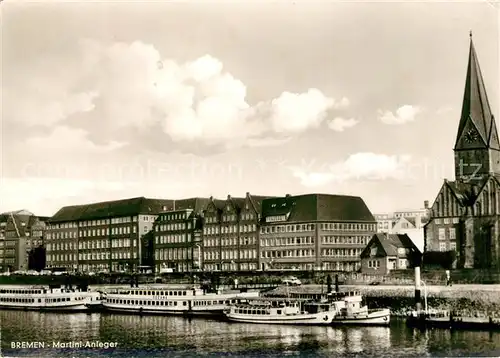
<point x="471" y="136"/>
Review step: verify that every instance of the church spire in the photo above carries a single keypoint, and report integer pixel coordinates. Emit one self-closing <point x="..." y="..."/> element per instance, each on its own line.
<point x="477" y="128"/>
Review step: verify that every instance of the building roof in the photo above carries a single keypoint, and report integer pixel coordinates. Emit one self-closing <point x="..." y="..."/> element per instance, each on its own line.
<point x="108" y="209"/>
<point x="195" y="204"/>
<point x="318" y="207"/>
<point x="476" y="110"/>
<point x="390" y="243"/>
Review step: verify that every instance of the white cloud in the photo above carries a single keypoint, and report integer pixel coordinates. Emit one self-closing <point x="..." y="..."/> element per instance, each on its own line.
<point x="339" y="124"/>
<point x="131" y="85"/>
<point x="68" y="140"/>
<point x="404" y="114"/>
<point x="294" y="112"/>
<point x="359" y="166"/>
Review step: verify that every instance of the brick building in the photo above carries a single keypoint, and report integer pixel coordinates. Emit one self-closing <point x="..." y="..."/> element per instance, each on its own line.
<point x="230" y="233"/>
<point x="177" y="235"/>
<point x="314" y="232"/>
<point x="20" y="232"/>
<point x="465" y="216"/>
<point x="102" y="236"/>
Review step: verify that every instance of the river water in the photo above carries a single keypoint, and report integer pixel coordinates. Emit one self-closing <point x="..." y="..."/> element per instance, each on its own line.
<point x="170" y="336"/>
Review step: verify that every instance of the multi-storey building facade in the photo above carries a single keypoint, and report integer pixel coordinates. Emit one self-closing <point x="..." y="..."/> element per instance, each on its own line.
<point x="177" y="236"/>
<point x="465" y="216"/>
<point x="101" y="236"/>
<point x="230" y="234"/>
<point x="410" y="222"/>
<point x="22" y="232"/>
<point x="314" y="231"/>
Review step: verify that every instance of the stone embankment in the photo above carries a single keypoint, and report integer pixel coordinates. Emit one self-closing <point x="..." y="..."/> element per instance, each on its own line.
<point x="467" y="299"/>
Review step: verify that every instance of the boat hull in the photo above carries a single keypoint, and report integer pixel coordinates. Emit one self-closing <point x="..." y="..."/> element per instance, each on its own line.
<point x="322" y="319"/>
<point x="373" y="318"/>
<point x="79" y="307"/>
<point x="159" y="311"/>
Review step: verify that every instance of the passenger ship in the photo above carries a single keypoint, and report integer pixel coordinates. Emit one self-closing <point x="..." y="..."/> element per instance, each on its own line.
<point x="164" y="300"/>
<point x="308" y="309"/>
<point x="281" y="311"/>
<point x="48" y="298"/>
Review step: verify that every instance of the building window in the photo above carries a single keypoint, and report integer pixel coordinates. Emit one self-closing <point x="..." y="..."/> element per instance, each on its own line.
<point x="453" y="246"/>
<point x="442" y="246"/>
<point x="447" y="220"/>
<point x="452" y="233"/>
<point x="442" y="233"/>
<point x="455" y="220"/>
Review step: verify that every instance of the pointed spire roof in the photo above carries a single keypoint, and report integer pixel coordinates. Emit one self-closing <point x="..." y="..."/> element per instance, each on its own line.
<point x="475" y="107"/>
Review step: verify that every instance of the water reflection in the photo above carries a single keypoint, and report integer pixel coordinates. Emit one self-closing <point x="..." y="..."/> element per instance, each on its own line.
<point x="165" y="336"/>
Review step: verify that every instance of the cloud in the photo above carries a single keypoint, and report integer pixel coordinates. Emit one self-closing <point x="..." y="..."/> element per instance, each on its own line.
<point x="404" y="114"/>
<point x="68" y="140"/>
<point x="131" y="86"/>
<point x="359" y="166"/>
<point x="339" y="124"/>
<point x="294" y="112"/>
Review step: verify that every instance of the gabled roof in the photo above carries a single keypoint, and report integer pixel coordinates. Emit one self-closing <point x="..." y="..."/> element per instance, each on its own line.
<point x="108" y="209"/>
<point x="318" y="207"/>
<point x="390" y="243"/>
<point x="476" y="109"/>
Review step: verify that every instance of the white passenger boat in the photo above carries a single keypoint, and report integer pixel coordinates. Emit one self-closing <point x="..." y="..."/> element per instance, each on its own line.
<point x="311" y="309"/>
<point x="167" y="300"/>
<point x="354" y="312"/>
<point x="282" y="311"/>
<point x="47" y="298"/>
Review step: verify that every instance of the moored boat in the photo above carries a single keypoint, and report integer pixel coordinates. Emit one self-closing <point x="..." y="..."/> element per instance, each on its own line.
<point x="46" y="298"/>
<point x="168" y="300"/>
<point x="355" y="313"/>
<point x="282" y="311"/>
<point x="309" y="308"/>
<point x="452" y="320"/>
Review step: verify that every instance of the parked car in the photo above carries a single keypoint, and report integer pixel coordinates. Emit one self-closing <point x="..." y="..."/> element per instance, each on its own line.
<point x="292" y="281"/>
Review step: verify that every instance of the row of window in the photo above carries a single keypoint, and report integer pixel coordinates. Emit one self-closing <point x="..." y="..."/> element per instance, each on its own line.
<point x="92" y="244"/>
<point x="99" y="222"/>
<point x="359" y="240"/>
<point x="177" y="253"/>
<point x="287" y="241"/>
<point x="175" y="216"/>
<point x="91" y="256"/>
<point x="231" y="229"/>
<point x="172" y="239"/>
<point x="448" y="246"/>
<point x="446" y="221"/>
<point x="230" y="241"/>
<point x="373" y="263"/>
<point x="451" y="233"/>
<point x="173" y="227"/>
<point x="341" y="252"/>
<point x="230" y="255"/>
<point x="287" y="228"/>
<point x="347" y="227"/>
<point x="288" y="253"/>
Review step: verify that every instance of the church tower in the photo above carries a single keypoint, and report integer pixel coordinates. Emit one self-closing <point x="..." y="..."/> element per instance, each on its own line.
<point x="477" y="148"/>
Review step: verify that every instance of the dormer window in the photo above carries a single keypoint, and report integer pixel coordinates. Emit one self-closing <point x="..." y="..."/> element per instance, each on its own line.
<point x="273" y="205"/>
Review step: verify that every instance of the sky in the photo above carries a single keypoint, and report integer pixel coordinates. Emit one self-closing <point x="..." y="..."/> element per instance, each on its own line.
<point x="119" y="99"/>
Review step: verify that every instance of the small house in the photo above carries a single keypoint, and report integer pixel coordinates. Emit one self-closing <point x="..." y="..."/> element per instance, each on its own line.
<point x="386" y="252"/>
